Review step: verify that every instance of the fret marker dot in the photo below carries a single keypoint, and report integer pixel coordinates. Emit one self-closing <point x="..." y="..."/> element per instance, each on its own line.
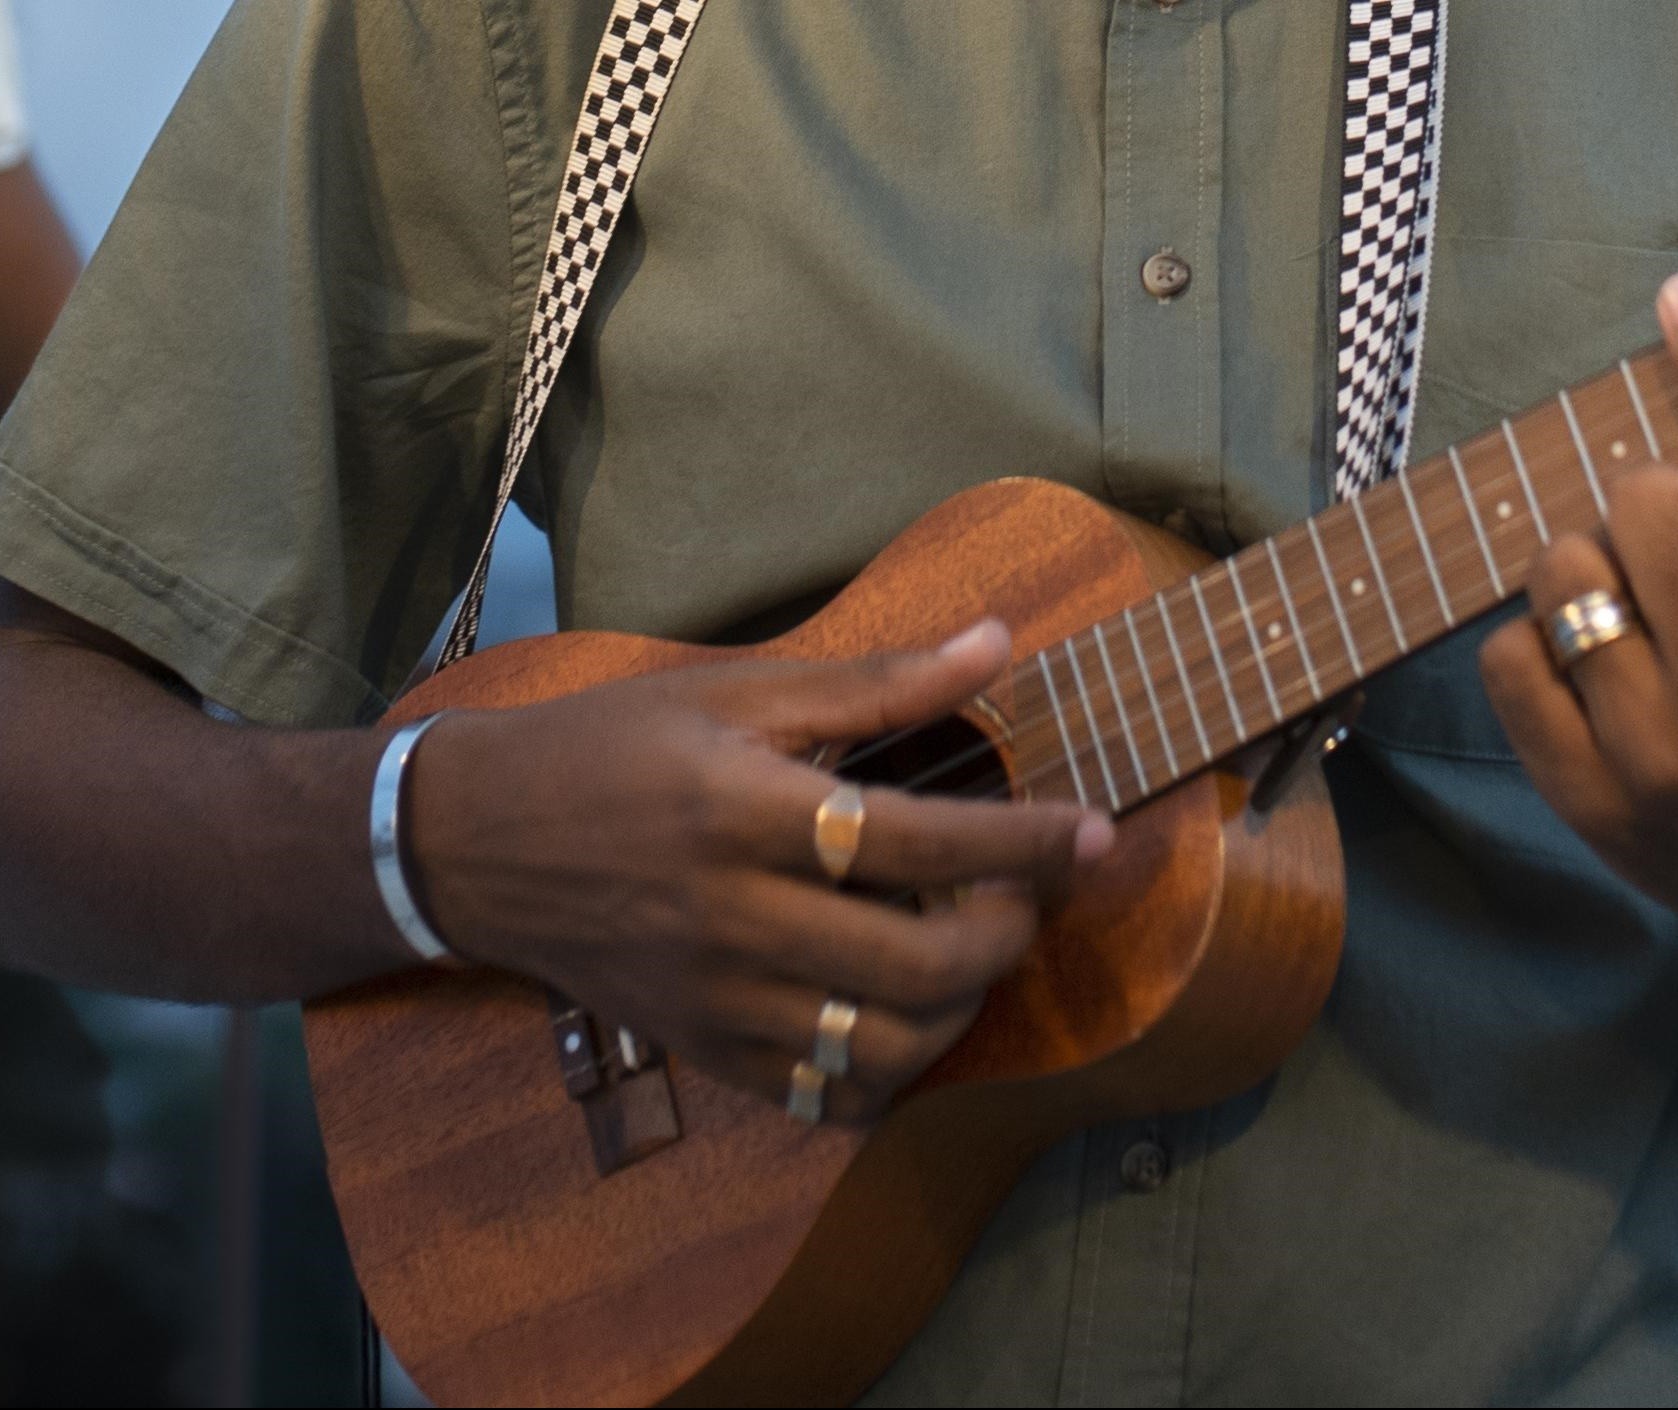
<point x="1274" y="631"/>
<point x="1359" y="587"/>
<point x="1505" y="510"/>
<point x="1618" y="450"/>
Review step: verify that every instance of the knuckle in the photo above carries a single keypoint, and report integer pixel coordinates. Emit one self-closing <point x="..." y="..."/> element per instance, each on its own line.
<point x="1655" y="783"/>
<point x="1569" y="566"/>
<point x="925" y="854"/>
<point x="1503" y="653"/>
<point x="929" y="974"/>
<point x="878" y="669"/>
<point x="1052" y="845"/>
<point x="1636" y="492"/>
<point x="900" y="1053"/>
<point x="1642" y="505"/>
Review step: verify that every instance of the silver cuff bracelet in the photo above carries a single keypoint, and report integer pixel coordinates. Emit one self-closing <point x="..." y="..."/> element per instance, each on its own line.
<point x="386" y="839"/>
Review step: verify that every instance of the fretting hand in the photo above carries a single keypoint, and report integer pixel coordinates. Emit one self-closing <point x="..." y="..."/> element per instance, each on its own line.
<point x="1600" y="738"/>
<point x="648" y="846"/>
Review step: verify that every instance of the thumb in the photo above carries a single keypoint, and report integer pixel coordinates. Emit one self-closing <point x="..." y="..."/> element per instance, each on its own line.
<point x="876" y="694"/>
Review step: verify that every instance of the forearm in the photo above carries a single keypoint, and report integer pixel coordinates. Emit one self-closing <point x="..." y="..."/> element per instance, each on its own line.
<point x="148" y="848"/>
<point x="38" y="266"/>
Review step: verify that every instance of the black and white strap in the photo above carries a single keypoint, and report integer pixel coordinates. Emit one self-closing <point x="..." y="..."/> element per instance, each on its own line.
<point x="1395" y="86"/>
<point x="1395" y="93"/>
<point x="643" y="43"/>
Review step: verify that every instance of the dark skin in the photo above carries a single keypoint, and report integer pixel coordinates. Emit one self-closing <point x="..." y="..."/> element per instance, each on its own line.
<point x="1601" y="740"/>
<point x="38" y="265"/>
<point x="647" y="845"/>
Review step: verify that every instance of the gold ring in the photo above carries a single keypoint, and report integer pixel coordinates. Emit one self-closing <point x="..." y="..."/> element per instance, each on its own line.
<point x="805" y="1095"/>
<point x="839" y="830"/>
<point x="832" y="1053"/>
<point x="1587" y="624"/>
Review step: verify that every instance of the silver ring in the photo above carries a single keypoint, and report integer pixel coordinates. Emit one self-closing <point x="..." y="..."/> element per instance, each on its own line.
<point x="832" y="1053"/>
<point x="1587" y="624"/>
<point x="805" y="1097"/>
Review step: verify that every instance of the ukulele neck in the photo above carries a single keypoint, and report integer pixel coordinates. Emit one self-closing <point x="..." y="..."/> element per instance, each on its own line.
<point x="1123" y="710"/>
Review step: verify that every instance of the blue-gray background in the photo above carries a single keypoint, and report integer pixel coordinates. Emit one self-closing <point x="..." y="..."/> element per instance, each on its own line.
<point x="99" y="79"/>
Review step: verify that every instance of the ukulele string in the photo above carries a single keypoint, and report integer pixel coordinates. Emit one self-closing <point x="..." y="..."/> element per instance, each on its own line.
<point x="1447" y="558"/>
<point x="1620" y="426"/>
<point x="1450" y="554"/>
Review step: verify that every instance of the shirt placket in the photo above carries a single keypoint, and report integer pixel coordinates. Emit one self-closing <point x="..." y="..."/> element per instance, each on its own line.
<point x="1161" y="415"/>
<point x="1132" y="1288"/>
<point x="1133" y="1275"/>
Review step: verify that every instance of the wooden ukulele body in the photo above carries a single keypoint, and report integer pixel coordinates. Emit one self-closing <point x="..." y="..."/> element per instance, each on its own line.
<point x="754" y="1260"/>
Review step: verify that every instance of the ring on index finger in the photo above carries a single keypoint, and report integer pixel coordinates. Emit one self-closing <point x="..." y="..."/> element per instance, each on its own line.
<point x="839" y="822"/>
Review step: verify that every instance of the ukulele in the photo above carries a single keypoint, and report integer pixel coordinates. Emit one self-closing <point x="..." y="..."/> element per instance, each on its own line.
<point x="543" y="1210"/>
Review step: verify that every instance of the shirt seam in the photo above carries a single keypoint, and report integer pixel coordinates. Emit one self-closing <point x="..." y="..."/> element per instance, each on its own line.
<point x="512" y="358"/>
<point x="139" y="569"/>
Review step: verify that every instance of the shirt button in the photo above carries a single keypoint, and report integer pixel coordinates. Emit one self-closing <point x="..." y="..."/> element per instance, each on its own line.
<point x="1166" y="274"/>
<point x="1144" y="1167"/>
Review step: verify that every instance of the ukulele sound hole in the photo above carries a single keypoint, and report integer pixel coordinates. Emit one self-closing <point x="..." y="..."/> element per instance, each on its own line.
<point x="951" y="756"/>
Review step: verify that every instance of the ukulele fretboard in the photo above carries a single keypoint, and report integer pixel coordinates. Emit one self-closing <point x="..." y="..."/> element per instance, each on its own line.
<point x="1120" y="712"/>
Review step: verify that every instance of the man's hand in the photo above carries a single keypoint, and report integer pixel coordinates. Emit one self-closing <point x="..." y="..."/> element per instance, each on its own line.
<point x="1601" y="740"/>
<point x="648" y="846"/>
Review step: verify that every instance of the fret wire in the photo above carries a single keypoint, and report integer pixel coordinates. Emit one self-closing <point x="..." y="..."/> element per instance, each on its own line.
<point x="1584" y="455"/>
<point x="1642" y="411"/>
<point x="1218" y="658"/>
<point x="1427" y="550"/>
<point x="1380" y="574"/>
<point x="1089" y="714"/>
<point x="1447" y="557"/>
<point x="1258" y="649"/>
<point x="1065" y="738"/>
<point x="1293" y="617"/>
<point x="1153" y="699"/>
<point x="1526" y="483"/>
<point x="1334" y="596"/>
<point x="1183" y="675"/>
<point x="1124" y="714"/>
<point x="1479" y="528"/>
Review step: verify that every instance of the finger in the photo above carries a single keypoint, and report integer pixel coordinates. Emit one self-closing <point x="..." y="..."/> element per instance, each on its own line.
<point x="1626" y="695"/>
<point x="915" y="840"/>
<point x="800" y="706"/>
<point x="1643" y="529"/>
<point x="871" y="952"/>
<point x="1548" y="729"/>
<point x="1667" y="307"/>
<point x="888" y="1049"/>
<point x="767" y="1072"/>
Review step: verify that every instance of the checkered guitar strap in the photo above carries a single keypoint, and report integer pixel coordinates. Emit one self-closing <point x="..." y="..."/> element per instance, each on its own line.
<point x="1395" y="91"/>
<point x="643" y="43"/>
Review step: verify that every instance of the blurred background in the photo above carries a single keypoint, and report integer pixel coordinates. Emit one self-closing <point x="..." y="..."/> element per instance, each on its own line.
<point x="179" y="1245"/>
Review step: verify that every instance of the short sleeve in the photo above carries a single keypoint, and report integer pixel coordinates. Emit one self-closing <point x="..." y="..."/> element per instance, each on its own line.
<point x="261" y="442"/>
<point x="14" y="135"/>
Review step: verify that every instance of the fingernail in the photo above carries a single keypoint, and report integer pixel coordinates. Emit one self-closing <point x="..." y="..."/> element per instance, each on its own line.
<point x="1094" y="838"/>
<point x="986" y="631"/>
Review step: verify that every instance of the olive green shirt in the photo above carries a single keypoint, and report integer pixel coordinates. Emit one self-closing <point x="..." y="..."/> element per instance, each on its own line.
<point x="879" y="253"/>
